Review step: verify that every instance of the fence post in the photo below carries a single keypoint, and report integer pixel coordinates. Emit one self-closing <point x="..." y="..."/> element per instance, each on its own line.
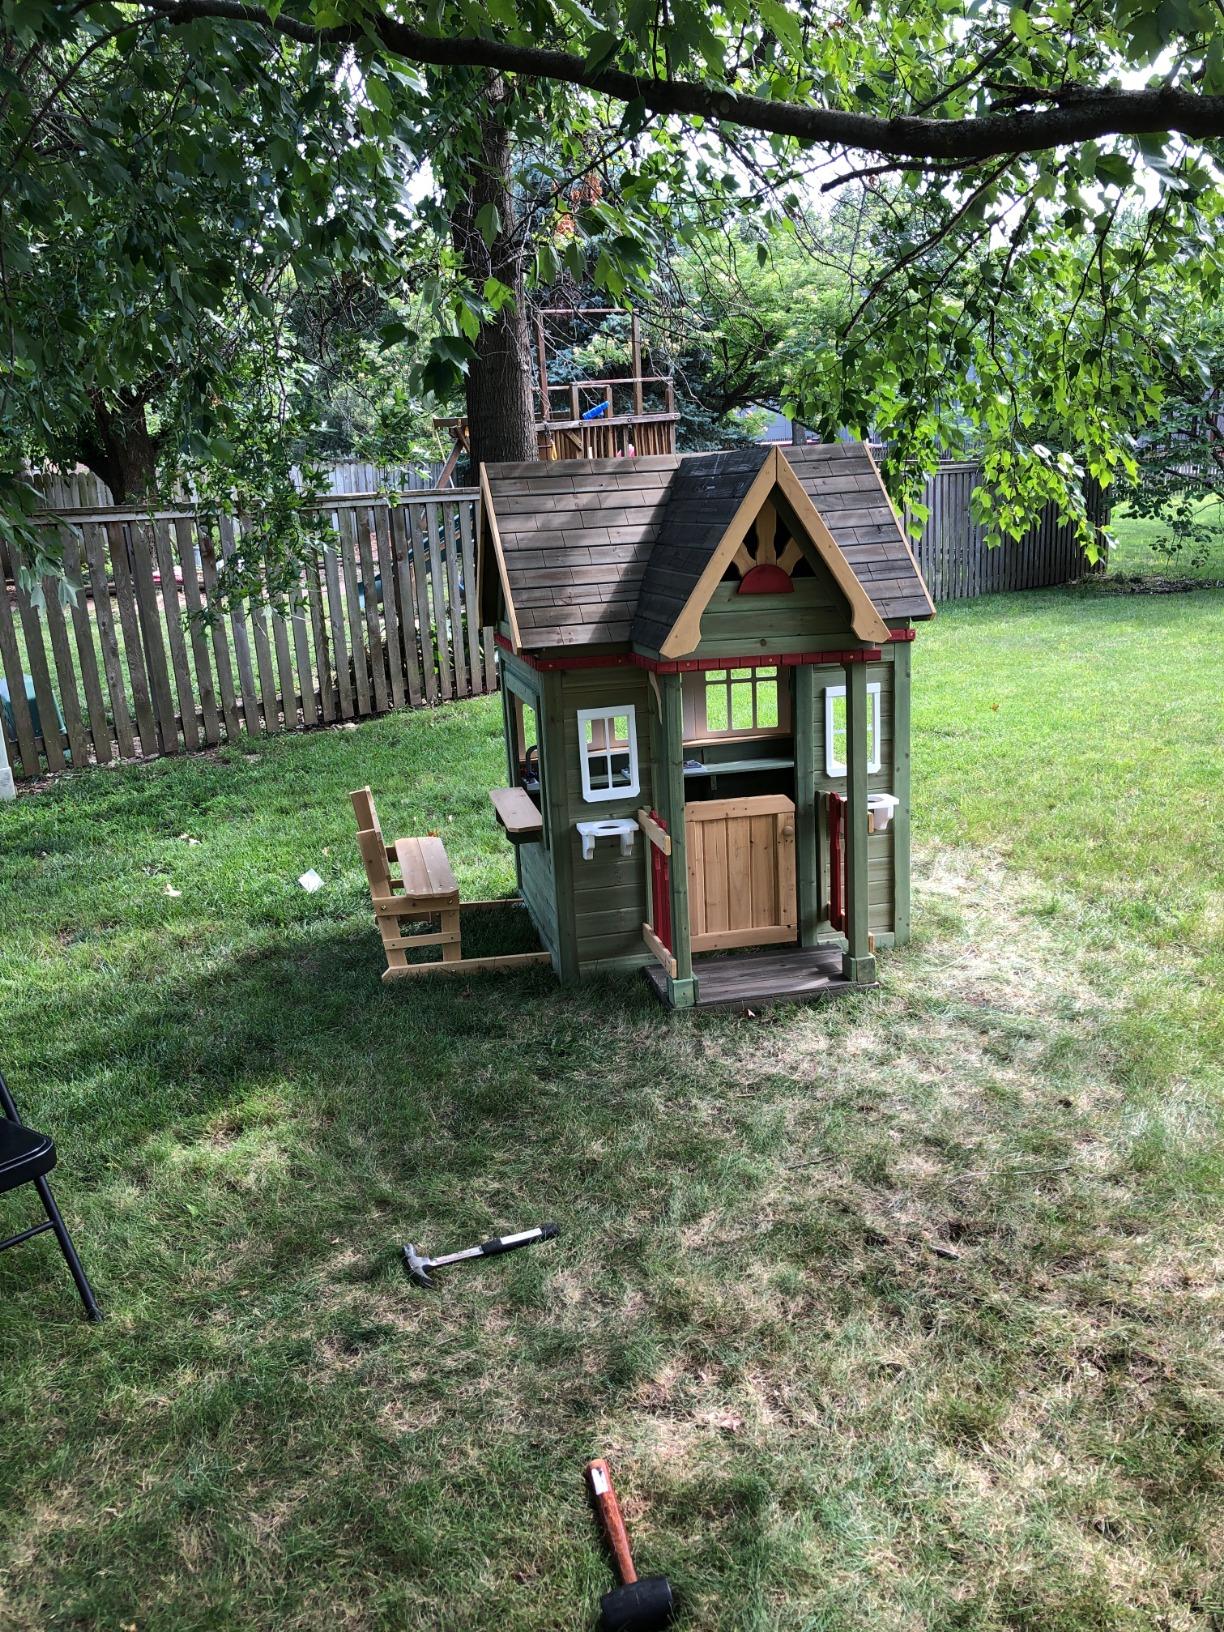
<point x="8" y="788"/>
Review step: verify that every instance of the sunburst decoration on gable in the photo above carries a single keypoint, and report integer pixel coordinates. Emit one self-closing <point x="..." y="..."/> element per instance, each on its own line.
<point x="763" y="570"/>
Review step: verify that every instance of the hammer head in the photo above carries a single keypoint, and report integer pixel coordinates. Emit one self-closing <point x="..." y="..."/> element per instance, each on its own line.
<point x="418" y="1267"/>
<point x="642" y="1606"/>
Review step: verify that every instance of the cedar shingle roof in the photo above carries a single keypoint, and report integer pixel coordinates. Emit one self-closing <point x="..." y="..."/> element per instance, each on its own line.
<point x="604" y="551"/>
<point x="843" y="483"/>
<point x="702" y="497"/>
<point x="576" y="535"/>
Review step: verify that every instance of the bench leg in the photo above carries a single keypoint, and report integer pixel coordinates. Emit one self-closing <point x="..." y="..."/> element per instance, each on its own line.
<point x="388" y="928"/>
<point x="68" y="1250"/>
<point x="452" y="951"/>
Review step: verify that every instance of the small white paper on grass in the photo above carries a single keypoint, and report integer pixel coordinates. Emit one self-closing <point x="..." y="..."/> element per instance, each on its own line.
<point x="170" y="890"/>
<point x="311" y="882"/>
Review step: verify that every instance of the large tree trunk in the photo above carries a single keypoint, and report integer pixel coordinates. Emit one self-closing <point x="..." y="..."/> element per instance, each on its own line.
<point x="119" y="447"/>
<point x="501" y="418"/>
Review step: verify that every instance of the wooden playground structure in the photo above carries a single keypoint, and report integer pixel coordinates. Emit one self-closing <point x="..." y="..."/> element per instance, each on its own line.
<point x="587" y="419"/>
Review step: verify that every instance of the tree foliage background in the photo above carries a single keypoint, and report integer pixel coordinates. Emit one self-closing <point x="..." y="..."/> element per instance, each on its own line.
<point x="195" y="191"/>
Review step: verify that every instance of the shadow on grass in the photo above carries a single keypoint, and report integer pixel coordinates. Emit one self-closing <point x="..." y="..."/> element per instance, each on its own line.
<point x="288" y="1092"/>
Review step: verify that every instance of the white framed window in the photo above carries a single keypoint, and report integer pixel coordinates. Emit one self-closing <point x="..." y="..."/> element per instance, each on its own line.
<point x="726" y="703"/>
<point x="835" y="729"/>
<point x="608" y="753"/>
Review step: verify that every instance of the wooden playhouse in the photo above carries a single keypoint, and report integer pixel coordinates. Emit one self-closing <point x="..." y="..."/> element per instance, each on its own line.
<point x="705" y="666"/>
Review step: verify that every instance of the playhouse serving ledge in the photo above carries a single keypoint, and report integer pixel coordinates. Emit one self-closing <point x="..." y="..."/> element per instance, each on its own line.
<point x="705" y="665"/>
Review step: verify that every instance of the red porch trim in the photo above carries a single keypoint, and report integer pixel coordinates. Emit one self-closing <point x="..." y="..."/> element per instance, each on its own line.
<point x="839" y="866"/>
<point x="660" y="889"/>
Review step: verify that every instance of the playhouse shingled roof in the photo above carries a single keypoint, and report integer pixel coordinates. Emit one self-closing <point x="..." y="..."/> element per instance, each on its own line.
<point x="607" y="551"/>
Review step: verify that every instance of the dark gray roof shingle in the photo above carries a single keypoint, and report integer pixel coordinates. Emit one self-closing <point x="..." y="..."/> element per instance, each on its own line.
<point x="603" y="551"/>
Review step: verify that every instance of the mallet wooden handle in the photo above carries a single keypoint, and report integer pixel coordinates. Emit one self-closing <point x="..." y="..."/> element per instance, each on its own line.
<point x="608" y="1508"/>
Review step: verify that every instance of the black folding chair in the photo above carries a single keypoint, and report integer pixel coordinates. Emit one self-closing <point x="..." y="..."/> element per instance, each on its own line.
<point x="26" y="1157"/>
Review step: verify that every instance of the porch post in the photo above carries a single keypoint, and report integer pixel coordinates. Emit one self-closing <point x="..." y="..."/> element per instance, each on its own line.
<point x="807" y="834"/>
<point x="508" y="728"/>
<point x="682" y="991"/>
<point x="901" y="787"/>
<point x="857" y="962"/>
<point x="555" y="753"/>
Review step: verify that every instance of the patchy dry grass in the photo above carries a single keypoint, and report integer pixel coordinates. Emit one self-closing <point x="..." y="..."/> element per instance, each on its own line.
<point x="903" y="1313"/>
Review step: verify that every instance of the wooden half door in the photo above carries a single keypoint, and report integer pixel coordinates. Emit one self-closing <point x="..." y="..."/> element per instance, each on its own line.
<point x="741" y="872"/>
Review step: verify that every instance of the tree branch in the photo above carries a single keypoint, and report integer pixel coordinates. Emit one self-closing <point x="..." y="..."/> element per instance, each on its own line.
<point x="1090" y="115"/>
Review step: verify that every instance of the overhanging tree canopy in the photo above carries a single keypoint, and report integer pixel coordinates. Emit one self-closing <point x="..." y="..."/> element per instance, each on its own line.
<point x="1046" y="154"/>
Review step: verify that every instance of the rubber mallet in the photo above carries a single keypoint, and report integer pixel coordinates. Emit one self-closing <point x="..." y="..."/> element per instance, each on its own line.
<point x="419" y="1266"/>
<point x="636" y="1605"/>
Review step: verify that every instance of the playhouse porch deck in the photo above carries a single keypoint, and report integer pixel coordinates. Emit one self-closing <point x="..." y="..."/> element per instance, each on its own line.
<point x="791" y="974"/>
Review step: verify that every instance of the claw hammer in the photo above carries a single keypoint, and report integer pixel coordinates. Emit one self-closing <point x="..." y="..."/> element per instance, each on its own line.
<point x="419" y="1266"/>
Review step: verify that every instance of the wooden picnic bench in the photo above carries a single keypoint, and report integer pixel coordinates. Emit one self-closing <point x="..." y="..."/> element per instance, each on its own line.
<point x="424" y="889"/>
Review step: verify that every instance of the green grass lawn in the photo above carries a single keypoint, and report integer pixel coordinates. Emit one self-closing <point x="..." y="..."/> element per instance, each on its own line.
<point x="900" y="1313"/>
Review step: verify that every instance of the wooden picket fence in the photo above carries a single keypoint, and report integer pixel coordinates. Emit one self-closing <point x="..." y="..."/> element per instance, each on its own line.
<point x="135" y="670"/>
<point x="81" y="490"/>
<point x="384" y="618"/>
<point x="958" y="565"/>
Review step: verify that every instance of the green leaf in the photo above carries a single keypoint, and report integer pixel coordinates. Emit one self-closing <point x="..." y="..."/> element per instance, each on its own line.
<point x="379" y="94"/>
<point x="488" y="223"/>
<point x="391" y="334"/>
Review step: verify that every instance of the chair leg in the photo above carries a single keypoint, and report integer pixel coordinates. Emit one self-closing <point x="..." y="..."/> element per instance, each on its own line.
<point x="68" y="1250"/>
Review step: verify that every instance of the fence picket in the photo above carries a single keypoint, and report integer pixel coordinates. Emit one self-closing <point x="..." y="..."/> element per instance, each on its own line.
<point x="335" y="613"/>
<point x="61" y="650"/>
<point x="109" y="640"/>
<point x="420" y="578"/>
<point x="95" y="705"/>
<point x="298" y="613"/>
<point x="174" y="633"/>
<point x="438" y="587"/>
<point x="14" y="674"/>
<point x="40" y="674"/>
<point x="242" y="642"/>
<point x="405" y="588"/>
<point x="284" y="669"/>
<point x="153" y="642"/>
<point x="117" y="536"/>
<point x="454" y="600"/>
<point x="471" y="600"/>
<point x="184" y="534"/>
<point x="318" y="629"/>
<point x="368" y="588"/>
<point x="263" y="662"/>
<point x="352" y="597"/>
<point x="389" y="594"/>
<point x="220" y="641"/>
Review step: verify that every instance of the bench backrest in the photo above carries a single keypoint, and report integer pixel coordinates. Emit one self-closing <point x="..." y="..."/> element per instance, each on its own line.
<point x="371" y="843"/>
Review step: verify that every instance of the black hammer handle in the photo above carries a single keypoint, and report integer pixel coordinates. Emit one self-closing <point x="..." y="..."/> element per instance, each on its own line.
<point x="507" y="1243"/>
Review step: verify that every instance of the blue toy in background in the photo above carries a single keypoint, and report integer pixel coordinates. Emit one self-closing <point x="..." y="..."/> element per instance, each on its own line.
<point x="6" y="707"/>
<point x="598" y="412"/>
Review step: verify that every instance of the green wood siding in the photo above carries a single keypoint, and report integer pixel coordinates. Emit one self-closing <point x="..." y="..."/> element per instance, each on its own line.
<point x="589" y="913"/>
<point x="814" y="618"/>
<point x="533" y="862"/>
<point x="902" y="680"/>
<point x="607" y="894"/>
<point x="881" y="847"/>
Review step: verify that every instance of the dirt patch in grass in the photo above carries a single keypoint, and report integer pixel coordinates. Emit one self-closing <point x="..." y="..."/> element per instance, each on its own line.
<point x="1153" y="584"/>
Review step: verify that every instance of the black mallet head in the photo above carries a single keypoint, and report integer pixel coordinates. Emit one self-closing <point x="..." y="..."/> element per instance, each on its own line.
<point x="418" y="1267"/>
<point x="642" y="1606"/>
